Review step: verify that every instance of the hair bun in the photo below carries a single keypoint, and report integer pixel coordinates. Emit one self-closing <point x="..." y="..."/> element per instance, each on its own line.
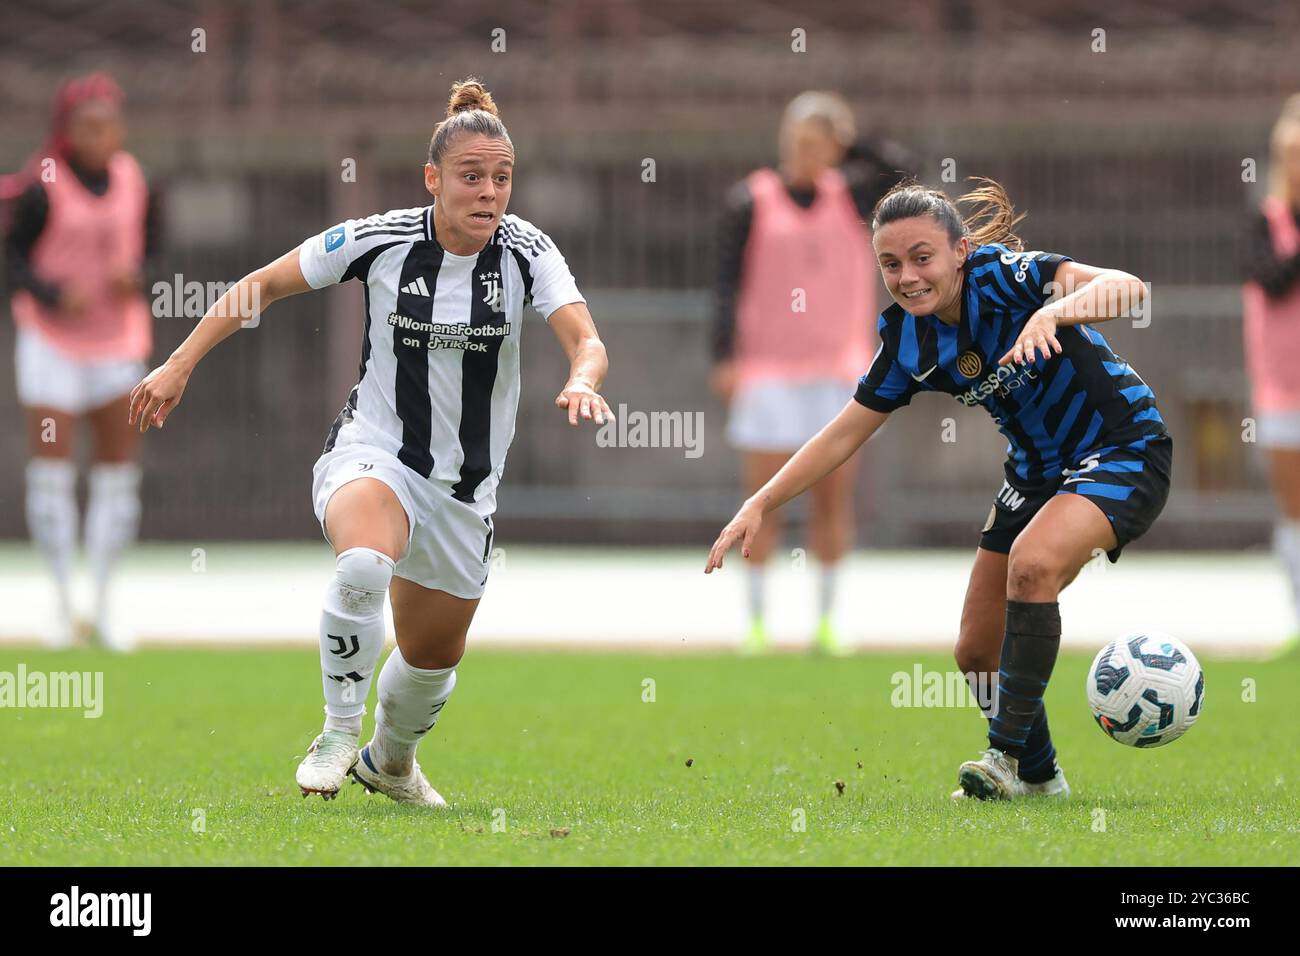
<point x="470" y="94"/>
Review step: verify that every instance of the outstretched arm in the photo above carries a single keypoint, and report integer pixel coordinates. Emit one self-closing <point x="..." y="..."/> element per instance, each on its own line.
<point x="588" y="363"/>
<point x="822" y="454"/>
<point x="1093" y="295"/>
<point x="160" y="391"/>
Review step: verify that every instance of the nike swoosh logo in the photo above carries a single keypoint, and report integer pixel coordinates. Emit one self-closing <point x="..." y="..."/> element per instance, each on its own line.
<point x="922" y="378"/>
<point x="1068" y="480"/>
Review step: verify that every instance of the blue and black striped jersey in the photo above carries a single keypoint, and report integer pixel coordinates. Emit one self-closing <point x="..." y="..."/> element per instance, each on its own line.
<point x="1053" y="412"/>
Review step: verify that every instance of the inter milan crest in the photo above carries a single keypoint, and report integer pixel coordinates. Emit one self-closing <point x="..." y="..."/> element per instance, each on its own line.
<point x="969" y="364"/>
<point x="492" y="295"/>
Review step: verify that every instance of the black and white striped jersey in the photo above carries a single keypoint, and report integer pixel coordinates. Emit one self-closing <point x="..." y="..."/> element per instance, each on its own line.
<point x="439" y="380"/>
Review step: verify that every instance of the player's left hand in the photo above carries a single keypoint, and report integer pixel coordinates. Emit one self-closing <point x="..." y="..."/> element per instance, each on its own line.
<point x="582" y="402"/>
<point x="743" y="528"/>
<point x="1038" y="335"/>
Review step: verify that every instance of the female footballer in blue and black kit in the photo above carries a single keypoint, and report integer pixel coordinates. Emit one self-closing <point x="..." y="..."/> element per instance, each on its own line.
<point x="1088" y="456"/>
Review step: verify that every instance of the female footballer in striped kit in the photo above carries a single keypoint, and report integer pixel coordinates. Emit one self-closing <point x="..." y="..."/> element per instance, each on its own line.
<point x="405" y="489"/>
<point x="1089" y="459"/>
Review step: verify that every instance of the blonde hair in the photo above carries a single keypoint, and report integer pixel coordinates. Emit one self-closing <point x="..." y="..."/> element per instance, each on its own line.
<point x="470" y="109"/>
<point x="1287" y="125"/>
<point x="821" y="106"/>
<point x="993" y="219"/>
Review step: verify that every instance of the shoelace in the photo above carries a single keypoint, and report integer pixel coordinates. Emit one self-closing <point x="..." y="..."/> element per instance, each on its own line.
<point x="998" y="759"/>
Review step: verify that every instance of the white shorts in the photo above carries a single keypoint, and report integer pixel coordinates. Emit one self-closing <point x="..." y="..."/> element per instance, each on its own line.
<point x="450" y="543"/>
<point x="49" y="378"/>
<point x="1278" y="429"/>
<point x="779" y="415"/>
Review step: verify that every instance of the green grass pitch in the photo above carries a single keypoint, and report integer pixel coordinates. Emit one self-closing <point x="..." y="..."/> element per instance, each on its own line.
<point x="555" y="758"/>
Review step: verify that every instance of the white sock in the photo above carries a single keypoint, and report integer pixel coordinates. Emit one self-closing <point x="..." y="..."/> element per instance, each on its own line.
<point x="352" y="634"/>
<point x="112" y="520"/>
<point x="757" y="576"/>
<point x="826" y="590"/>
<point x="1286" y="540"/>
<point x="410" y="699"/>
<point x="52" y="520"/>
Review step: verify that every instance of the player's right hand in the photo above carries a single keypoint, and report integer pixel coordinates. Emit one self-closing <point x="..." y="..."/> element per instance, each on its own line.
<point x="742" y="528"/>
<point x="157" y="394"/>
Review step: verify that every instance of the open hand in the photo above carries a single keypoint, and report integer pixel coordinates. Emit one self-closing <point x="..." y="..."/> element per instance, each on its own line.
<point x="741" y="528"/>
<point x="157" y="394"/>
<point x="582" y="402"/>
<point x="1038" y="335"/>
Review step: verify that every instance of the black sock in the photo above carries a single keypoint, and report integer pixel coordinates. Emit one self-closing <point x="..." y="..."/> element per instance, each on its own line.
<point x="1028" y="655"/>
<point x="1038" y="765"/>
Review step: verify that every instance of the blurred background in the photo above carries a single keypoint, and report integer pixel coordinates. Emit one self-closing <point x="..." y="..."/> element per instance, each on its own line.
<point x="1133" y="156"/>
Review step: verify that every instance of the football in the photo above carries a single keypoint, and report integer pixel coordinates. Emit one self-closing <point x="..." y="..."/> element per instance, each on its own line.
<point x="1146" y="690"/>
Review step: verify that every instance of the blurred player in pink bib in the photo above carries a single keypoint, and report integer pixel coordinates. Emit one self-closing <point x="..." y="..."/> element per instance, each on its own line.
<point x="82" y="224"/>
<point x="794" y="322"/>
<point x="1272" y="328"/>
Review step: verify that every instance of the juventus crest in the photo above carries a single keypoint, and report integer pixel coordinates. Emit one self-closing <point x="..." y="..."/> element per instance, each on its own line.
<point x="492" y="295"/>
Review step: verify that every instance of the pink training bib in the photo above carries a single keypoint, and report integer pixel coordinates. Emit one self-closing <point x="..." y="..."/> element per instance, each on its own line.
<point x="87" y="239"/>
<point x="1272" y="326"/>
<point x="806" y="305"/>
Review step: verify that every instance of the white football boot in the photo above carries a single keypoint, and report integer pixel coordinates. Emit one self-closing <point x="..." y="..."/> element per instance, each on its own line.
<point x="1056" y="787"/>
<point x="326" y="766"/>
<point x="412" y="788"/>
<point x="993" y="777"/>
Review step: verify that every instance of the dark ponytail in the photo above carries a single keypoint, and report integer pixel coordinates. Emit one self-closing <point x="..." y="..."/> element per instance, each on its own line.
<point x="993" y="218"/>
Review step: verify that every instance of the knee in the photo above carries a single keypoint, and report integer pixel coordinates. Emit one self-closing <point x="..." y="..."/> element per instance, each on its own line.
<point x="1033" y="576"/>
<point x="975" y="653"/>
<point x="361" y="578"/>
<point x="432" y="655"/>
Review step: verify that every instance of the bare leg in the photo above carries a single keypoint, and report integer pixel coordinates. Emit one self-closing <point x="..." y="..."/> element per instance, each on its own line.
<point x="983" y="623"/>
<point x="50" y="433"/>
<point x="365" y="513"/>
<point x="431" y="625"/>
<point x="115" y="439"/>
<point x="368" y="529"/>
<point x="1044" y="558"/>
<point x="367" y="526"/>
<point x="418" y="677"/>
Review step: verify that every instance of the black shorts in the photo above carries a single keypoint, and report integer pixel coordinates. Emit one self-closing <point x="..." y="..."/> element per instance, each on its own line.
<point x="1129" y="483"/>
